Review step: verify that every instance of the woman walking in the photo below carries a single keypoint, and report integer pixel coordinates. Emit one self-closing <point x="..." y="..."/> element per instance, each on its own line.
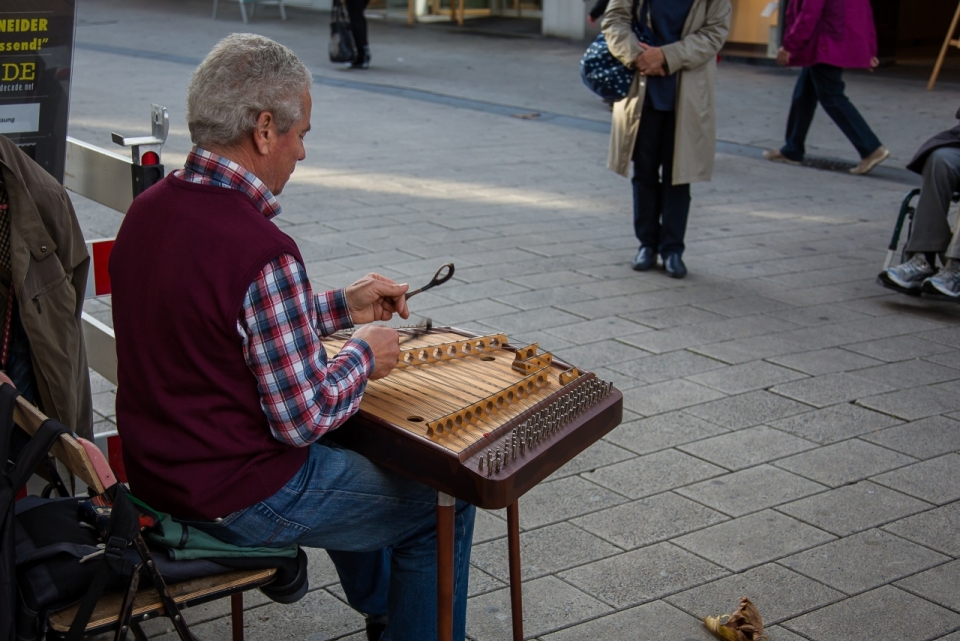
<point x="666" y="125"/>
<point x="826" y="37"/>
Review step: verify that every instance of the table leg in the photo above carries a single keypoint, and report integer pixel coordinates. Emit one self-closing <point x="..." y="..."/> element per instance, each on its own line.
<point x="516" y="587"/>
<point x="236" y="616"/>
<point x="446" y="514"/>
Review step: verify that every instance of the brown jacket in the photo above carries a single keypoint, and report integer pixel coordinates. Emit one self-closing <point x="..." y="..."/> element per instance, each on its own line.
<point x="694" y="59"/>
<point x="49" y="262"/>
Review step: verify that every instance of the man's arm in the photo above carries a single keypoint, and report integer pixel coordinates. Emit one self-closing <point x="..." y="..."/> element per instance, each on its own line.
<point x="302" y="393"/>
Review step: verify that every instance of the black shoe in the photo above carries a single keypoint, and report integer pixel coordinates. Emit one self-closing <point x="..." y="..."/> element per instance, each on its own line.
<point x="362" y="60"/>
<point x="674" y="266"/>
<point x="374" y="630"/>
<point x="645" y="259"/>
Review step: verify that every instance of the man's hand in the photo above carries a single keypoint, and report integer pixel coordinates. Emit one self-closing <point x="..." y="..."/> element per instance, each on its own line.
<point x="874" y="63"/>
<point x="783" y="57"/>
<point x="376" y="298"/>
<point x="5" y="379"/>
<point x="385" y="343"/>
<point x="591" y="21"/>
<point x="651" y="61"/>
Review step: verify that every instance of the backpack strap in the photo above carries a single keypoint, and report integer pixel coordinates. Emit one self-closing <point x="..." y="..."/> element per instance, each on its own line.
<point x="122" y="529"/>
<point x="35" y="451"/>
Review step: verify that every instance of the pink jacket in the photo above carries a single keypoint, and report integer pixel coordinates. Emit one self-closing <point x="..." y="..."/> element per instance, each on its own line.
<point x="833" y="32"/>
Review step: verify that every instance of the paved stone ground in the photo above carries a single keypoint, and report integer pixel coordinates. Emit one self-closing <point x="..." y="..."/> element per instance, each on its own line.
<point x="792" y="431"/>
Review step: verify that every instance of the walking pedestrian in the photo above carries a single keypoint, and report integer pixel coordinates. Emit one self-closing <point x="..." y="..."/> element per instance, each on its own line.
<point x="824" y="38"/>
<point x="666" y="125"/>
<point x="358" y="23"/>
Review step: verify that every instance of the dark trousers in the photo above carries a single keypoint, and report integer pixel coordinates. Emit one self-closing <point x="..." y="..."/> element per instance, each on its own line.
<point x="931" y="230"/>
<point x="660" y="208"/>
<point x="358" y="23"/>
<point x="824" y="84"/>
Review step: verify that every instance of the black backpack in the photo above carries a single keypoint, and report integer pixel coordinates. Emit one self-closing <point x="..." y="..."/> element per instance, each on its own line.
<point x="15" y="469"/>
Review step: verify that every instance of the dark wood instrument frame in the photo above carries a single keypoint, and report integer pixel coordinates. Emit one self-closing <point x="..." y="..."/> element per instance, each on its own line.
<point x="459" y="475"/>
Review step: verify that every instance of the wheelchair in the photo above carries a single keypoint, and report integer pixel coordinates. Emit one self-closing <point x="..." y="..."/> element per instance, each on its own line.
<point x="907" y="211"/>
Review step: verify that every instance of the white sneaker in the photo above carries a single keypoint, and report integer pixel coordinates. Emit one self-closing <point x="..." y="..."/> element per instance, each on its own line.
<point x="909" y="275"/>
<point x="946" y="281"/>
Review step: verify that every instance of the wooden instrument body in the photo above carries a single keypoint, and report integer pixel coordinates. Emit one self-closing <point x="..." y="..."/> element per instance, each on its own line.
<point x="461" y="473"/>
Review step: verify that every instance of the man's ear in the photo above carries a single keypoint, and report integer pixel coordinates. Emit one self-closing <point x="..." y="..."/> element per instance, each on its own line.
<point x="265" y="133"/>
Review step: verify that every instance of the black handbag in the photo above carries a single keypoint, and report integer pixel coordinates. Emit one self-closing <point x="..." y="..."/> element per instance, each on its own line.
<point x="343" y="48"/>
<point x="600" y="70"/>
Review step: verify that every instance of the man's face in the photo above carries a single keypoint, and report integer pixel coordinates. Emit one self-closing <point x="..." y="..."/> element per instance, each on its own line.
<point x="288" y="150"/>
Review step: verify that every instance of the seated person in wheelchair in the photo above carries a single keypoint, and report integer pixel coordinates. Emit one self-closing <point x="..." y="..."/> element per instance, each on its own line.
<point x="225" y="391"/>
<point x="938" y="161"/>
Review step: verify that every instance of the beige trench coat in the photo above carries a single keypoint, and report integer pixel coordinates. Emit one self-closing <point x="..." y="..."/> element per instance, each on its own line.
<point x="694" y="58"/>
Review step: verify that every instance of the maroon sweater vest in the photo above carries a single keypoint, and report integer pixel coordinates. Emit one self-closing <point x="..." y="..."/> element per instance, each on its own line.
<point x="196" y="442"/>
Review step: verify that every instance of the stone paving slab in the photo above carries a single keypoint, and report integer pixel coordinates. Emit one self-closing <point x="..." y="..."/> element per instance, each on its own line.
<point x="656" y="621"/>
<point x="751" y="490"/>
<point x="778" y="593"/>
<point x="642" y="575"/>
<point x="863" y="561"/>
<point x="649" y="520"/>
<point x="866" y="617"/>
<point x="835" y="423"/>
<point x="747" y="410"/>
<point x="747" y="448"/>
<point x="853" y="508"/>
<point x="938" y="529"/>
<point x="653" y="473"/>
<point x="547" y="551"/>
<point x="844" y="462"/>
<point x="662" y="432"/>
<point x="549" y="604"/>
<point x="669" y="395"/>
<point x="752" y="540"/>
<point x="923" y="439"/>
<point x="937" y="584"/>
<point x="933" y="480"/>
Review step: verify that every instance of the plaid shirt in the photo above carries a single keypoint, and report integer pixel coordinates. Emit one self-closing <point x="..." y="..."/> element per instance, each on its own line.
<point x="302" y="393"/>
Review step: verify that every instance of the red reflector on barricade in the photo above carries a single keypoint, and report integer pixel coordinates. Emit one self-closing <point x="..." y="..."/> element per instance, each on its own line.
<point x="115" y="456"/>
<point x="101" y="261"/>
<point x="150" y="158"/>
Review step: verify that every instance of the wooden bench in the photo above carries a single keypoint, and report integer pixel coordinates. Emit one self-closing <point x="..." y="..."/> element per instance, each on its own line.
<point x="82" y="459"/>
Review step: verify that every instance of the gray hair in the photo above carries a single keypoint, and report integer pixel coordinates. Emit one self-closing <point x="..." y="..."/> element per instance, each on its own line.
<point x="243" y="76"/>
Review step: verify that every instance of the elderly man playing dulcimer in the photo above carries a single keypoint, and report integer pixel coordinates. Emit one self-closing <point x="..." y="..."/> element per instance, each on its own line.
<point x="225" y="392"/>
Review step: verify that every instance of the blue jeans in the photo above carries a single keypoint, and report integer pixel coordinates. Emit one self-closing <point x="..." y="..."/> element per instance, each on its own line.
<point x="824" y="84"/>
<point x="378" y="527"/>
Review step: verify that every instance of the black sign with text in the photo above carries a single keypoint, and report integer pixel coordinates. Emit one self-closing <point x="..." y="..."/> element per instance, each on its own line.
<point x="36" y="55"/>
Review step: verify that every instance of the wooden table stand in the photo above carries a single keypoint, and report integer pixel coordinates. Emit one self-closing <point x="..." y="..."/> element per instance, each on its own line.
<point x="446" y="535"/>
